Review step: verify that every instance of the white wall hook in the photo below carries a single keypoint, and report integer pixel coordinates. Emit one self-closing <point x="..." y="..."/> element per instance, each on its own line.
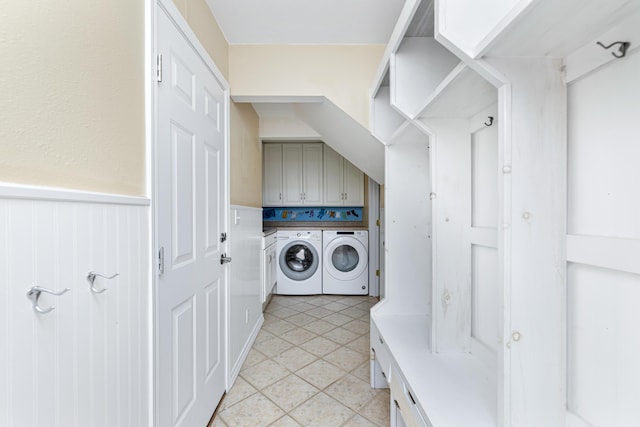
<point x="91" y="277"/>
<point x="34" y="295"/>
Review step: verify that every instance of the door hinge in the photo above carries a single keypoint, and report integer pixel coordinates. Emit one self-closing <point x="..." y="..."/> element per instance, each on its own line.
<point x="159" y="69"/>
<point x="378" y="273"/>
<point x="161" y="260"/>
<point x="224" y="259"/>
<point x="378" y="222"/>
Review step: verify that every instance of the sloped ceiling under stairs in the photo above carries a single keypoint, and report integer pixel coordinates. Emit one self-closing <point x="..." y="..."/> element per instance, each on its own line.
<point x="319" y="119"/>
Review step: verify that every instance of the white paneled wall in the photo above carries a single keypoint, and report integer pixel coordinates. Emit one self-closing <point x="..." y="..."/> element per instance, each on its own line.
<point x="603" y="246"/>
<point x="486" y="291"/>
<point x="87" y="362"/>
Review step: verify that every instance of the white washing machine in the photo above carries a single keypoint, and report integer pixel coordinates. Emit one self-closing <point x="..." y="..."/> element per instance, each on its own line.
<point x="299" y="262"/>
<point x="345" y="270"/>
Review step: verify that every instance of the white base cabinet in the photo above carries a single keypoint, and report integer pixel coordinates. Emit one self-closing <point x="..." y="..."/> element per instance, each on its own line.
<point x="269" y="266"/>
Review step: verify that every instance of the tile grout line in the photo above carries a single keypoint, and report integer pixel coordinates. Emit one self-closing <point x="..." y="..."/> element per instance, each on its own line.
<point x="301" y="306"/>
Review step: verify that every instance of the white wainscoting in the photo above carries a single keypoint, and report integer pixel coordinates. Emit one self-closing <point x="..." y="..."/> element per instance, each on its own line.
<point x="87" y="362"/>
<point x="245" y="287"/>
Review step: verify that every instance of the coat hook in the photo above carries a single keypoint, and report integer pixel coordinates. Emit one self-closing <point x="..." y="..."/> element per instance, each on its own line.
<point x="91" y="277"/>
<point x="34" y="295"/>
<point x="490" y="121"/>
<point x="622" y="49"/>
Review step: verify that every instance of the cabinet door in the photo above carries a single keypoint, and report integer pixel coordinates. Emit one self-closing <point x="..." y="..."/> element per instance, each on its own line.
<point x="292" y="174"/>
<point x="272" y="175"/>
<point x="273" y="273"/>
<point x="312" y="174"/>
<point x="333" y="188"/>
<point x="353" y="185"/>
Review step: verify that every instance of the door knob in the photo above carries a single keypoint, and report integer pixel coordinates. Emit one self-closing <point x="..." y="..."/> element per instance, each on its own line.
<point x="224" y="259"/>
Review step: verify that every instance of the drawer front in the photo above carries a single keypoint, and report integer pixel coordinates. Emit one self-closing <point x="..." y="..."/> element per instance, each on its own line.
<point x="273" y="263"/>
<point x="405" y="402"/>
<point x="382" y="353"/>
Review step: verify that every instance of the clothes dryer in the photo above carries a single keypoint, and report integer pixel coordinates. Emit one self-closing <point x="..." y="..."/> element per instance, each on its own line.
<point x="299" y="262"/>
<point x="345" y="269"/>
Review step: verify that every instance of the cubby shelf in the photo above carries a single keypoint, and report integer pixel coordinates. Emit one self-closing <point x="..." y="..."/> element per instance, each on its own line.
<point x="417" y="69"/>
<point x="462" y="93"/>
<point x="384" y="118"/>
<point x="520" y="28"/>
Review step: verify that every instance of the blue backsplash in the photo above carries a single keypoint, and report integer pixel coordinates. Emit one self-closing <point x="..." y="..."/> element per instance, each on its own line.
<point x="312" y="214"/>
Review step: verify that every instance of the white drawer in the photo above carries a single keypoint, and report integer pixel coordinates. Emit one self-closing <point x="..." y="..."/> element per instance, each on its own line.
<point x="381" y="352"/>
<point x="405" y="401"/>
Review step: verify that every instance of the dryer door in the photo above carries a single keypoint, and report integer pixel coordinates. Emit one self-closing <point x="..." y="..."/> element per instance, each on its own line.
<point x="345" y="258"/>
<point x="299" y="260"/>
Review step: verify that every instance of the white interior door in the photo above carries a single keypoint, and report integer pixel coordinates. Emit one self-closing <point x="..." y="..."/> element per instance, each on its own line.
<point x="191" y="214"/>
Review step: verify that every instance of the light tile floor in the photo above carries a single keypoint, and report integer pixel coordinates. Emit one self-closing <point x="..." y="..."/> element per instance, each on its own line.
<point x="309" y="367"/>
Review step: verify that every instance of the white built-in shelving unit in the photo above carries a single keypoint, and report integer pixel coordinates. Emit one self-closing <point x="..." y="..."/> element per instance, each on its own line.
<point x="495" y="251"/>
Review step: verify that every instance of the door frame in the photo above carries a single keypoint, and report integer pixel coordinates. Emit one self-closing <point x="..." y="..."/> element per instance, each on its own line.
<point x="375" y="222"/>
<point x="151" y="120"/>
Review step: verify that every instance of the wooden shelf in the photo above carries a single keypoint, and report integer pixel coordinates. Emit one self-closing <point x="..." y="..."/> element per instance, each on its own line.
<point x="461" y="94"/>
<point x="453" y="390"/>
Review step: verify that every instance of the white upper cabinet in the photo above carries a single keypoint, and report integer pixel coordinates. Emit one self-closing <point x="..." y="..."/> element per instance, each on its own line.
<point x="333" y="178"/>
<point x="292" y="174"/>
<point x="343" y="182"/>
<point x="272" y="190"/>
<point x="353" y="185"/>
<point x="311" y="174"/>
<point x="302" y="174"/>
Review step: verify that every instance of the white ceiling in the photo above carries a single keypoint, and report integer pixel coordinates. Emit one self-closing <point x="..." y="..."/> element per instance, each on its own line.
<point x="306" y="21"/>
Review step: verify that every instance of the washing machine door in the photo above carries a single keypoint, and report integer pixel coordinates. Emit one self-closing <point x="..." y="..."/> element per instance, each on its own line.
<point x="345" y="258"/>
<point x="299" y="260"/>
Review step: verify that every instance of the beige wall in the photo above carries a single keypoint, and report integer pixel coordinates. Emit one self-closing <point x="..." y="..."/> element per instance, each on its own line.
<point x="342" y="73"/>
<point x="246" y="157"/>
<point x="246" y="151"/>
<point x="72" y="91"/>
<point x="203" y="24"/>
<point x="72" y="111"/>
